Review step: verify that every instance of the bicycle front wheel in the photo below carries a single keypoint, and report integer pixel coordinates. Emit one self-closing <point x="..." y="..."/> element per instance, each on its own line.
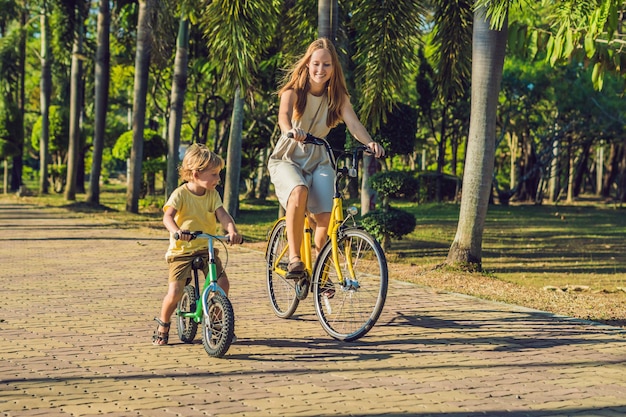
<point x="348" y="310"/>
<point x="218" y="327"/>
<point x="282" y="291"/>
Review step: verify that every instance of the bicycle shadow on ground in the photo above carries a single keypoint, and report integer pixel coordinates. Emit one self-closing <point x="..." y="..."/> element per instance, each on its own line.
<point x="522" y="330"/>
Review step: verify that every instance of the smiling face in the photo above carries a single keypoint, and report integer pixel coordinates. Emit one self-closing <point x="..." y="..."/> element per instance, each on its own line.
<point x="320" y="69"/>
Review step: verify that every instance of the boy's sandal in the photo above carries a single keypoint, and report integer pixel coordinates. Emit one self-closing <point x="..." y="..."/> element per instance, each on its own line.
<point x="161" y="338"/>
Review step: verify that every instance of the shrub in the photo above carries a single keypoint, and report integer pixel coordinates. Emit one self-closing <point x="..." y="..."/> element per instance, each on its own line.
<point x="389" y="222"/>
<point x="395" y="184"/>
<point x="392" y="223"/>
<point x="450" y="185"/>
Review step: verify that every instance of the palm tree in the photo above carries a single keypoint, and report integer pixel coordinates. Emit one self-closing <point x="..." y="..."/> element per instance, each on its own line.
<point x="179" y="86"/>
<point x="488" y="48"/>
<point x="238" y="32"/>
<point x="452" y="40"/>
<point x="76" y="75"/>
<point x="328" y="19"/>
<point x="233" y="156"/>
<point x="102" y="78"/>
<point x="386" y="34"/>
<point x="46" y="88"/>
<point x="489" y="41"/>
<point x="142" y="66"/>
<point x="18" y="133"/>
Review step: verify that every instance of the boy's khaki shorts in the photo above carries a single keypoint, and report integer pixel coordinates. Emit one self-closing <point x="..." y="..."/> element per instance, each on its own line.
<point x="180" y="266"/>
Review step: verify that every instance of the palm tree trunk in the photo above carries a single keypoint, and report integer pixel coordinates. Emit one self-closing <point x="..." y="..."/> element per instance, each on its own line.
<point x="233" y="159"/>
<point x="75" y="109"/>
<point x="554" y="183"/>
<point x="44" y="98"/>
<point x="487" y="64"/>
<point x="368" y="194"/>
<point x="16" y="171"/>
<point x="102" y="78"/>
<point x="140" y="91"/>
<point x="179" y="86"/>
<point x="327" y="19"/>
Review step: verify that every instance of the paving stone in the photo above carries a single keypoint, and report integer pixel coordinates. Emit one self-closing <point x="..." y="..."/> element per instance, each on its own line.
<point x="76" y="326"/>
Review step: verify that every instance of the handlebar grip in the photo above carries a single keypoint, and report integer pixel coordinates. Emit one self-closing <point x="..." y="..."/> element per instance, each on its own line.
<point x="193" y="234"/>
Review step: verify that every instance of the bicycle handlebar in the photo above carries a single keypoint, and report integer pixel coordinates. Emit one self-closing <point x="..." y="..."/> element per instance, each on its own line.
<point x="314" y="140"/>
<point x="200" y="234"/>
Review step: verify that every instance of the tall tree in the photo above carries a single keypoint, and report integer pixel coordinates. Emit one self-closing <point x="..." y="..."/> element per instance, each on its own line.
<point x="233" y="157"/>
<point x="488" y="49"/>
<point x="18" y="133"/>
<point x="452" y="40"/>
<point x="140" y="91"/>
<point x="76" y="76"/>
<point x="327" y="19"/>
<point x="177" y="100"/>
<point x="387" y="33"/>
<point x="238" y="33"/>
<point x="101" y="93"/>
<point x="44" y="97"/>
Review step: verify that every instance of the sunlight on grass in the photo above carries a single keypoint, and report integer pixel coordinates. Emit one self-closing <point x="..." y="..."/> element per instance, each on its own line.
<point x="535" y="246"/>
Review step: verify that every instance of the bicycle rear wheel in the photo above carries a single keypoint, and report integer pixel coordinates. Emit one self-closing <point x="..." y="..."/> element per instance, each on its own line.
<point x="282" y="291"/>
<point x="218" y="328"/>
<point x="187" y="326"/>
<point x="347" y="311"/>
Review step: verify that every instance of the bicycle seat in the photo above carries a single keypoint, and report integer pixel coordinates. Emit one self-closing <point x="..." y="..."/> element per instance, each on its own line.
<point x="197" y="263"/>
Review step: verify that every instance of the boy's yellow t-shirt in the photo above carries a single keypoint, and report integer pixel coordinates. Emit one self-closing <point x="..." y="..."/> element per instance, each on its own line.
<point x="193" y="213"/>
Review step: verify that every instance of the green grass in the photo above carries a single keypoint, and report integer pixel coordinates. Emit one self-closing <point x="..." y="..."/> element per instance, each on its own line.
<point x="580" y="244"/>
<point x="536" y="246"/>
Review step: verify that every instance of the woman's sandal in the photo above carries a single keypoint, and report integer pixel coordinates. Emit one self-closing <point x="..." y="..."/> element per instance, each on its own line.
<point x="295" y="268"/>
<point x="161" y="338"/>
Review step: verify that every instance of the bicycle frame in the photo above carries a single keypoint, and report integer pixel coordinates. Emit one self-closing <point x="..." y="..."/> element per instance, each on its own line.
<point x="336" y="221"/>
<point x="210" y="282"/>
<point x="349" y="277"/>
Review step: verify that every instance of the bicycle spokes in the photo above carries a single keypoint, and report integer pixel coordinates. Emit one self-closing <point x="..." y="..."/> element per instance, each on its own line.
<point x="350" y="293"/>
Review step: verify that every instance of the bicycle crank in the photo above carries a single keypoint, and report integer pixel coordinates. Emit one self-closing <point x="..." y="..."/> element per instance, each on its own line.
<point x="302" y="288"/>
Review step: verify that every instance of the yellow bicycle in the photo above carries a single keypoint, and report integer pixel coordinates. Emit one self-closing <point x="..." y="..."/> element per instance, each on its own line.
<point x="348" y="279"/>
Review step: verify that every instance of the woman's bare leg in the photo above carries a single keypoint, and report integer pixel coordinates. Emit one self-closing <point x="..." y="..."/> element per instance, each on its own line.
<point x="321" y="229"/>
<point x="294" y="213"/>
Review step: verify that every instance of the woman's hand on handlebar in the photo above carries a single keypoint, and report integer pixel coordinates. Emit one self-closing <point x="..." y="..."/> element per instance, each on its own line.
<point x="376" y="150"/>
<point x="296" y="134"/>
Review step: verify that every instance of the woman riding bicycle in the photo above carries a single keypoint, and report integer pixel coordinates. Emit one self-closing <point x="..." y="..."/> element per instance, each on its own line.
<point x="313" y="99"/>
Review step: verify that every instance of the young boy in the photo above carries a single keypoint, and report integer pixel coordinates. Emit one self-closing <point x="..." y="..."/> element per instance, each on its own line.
<point x="195" y="205"/>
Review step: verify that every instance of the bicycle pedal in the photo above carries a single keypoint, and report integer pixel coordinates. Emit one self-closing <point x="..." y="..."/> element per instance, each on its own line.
<point x="302" y="288"/>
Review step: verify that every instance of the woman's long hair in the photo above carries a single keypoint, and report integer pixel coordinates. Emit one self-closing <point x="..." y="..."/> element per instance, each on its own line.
<point x="297" y="78"/>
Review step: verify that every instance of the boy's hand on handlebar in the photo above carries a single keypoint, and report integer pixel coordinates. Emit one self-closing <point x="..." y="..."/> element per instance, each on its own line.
<point x="183" y="235"/>
<point x="235" y="239"/>
<point x="377" y="150"/>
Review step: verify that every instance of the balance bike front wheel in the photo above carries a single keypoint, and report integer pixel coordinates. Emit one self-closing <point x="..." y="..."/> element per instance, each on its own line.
<point x="218" y="326"/>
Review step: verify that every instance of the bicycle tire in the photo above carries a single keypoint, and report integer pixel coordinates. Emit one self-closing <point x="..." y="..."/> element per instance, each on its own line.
<point x="218" y="328"/>
<point x="351" y="311"/>
<point x="281" y="291"/>
<point x="187" y="327"/>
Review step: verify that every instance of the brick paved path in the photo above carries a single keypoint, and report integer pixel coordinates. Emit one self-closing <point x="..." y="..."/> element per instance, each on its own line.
<point x="79" y="295"/>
